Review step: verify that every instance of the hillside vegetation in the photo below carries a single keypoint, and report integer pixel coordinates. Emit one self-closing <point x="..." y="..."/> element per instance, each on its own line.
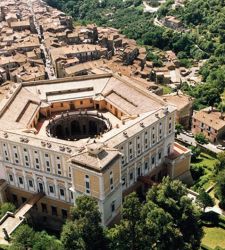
<point x="204" y="21"/>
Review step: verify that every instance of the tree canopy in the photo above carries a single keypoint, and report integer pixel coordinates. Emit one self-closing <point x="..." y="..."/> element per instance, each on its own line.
<point x="167" y="220"/>
<point x="84" y="230"/>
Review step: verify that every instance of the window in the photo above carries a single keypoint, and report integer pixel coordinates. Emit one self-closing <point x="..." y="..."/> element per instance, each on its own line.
<point x="6" y="152"/>
<point x="31" y="184"/>
<point x="20" y="180"/>
<point x="59" y="172"/>
<point x="44" y="208"/>
<point x="131" y="176"/>
<point x="159" y="155"/>
<point x="64" y="213"/>
<point x="71" y="195"/>
<point x="10" y="177"/>
<point x="23" y="199"/>
<point x="15" y="151"/>
<point x="81" y="102"/>
<point x="113" y="206"/>
<point x="62" y="192"/>
<point x="26" y="157"/>
<point x="153" y="160"/>
<point x="111" y="180"/>
<point x="54" y="211"/>
<point x="122" y="160"/>
<point x="139" y="171"/>
<point x="14" y="197"/>
<point x="47" y="163"/>
<point x="37" y="166"/>
<point x="51" y="189"/>
<point x="146" y="165"/>
<point x="123" y="181"/>
<point x="87" y="184"/>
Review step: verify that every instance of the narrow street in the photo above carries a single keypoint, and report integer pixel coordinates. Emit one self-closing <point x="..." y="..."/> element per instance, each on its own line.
<point x="49" y="69"/>
<point x="191" y="141"/>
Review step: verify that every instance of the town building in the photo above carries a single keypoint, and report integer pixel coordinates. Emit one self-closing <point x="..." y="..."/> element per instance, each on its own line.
<point x="172" y="22"/>
<point x="99" y="135"/>
<point x="73" y="54"/>
<point x="184" y="105"/>
<point x="210" y="122"/>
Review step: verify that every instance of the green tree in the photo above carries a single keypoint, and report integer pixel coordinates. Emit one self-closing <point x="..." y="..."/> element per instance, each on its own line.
<point x="179" y="128"/>
<point x="87" y="225"/>
<point x="204" y="200"/>
<point x="195" y="152"/>
<point x="71" y="237"/>
<point x="23" y="238"/>
<point x="6" y="207"/>
<point x="200" y="138"/>
<point x="44" y="241"/>
<point x="221" y="161"/>
<point x="159" y="230"/>
<point x="171" y="196"/>
<point x="128" y="234"/>
<point x="220" y="188"/>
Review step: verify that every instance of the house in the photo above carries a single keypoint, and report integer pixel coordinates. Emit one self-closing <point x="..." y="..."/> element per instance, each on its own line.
<point x="209" y="122"/>
<point x="184" y="107"/>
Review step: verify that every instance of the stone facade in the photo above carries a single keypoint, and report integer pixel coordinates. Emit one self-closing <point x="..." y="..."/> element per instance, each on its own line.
<point x="104" y="161"/>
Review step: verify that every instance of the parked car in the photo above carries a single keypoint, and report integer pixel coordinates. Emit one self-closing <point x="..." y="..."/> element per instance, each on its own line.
<point x="190" y="134"/>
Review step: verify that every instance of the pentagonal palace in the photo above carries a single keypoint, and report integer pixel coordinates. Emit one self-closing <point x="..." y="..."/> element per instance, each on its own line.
<point x="100" y="135"/>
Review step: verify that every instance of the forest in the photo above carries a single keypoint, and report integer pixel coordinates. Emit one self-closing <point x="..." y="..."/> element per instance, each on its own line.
<point x="204" y="21"/>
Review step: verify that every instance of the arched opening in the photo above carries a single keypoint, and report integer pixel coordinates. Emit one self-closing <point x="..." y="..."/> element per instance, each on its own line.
<point x="75" y="127"/>
<point x="59" y="131"/>
<point x="93" y="129"/>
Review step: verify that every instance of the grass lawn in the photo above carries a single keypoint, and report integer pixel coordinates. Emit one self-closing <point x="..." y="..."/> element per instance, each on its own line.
<point x="206" y="162"/>
<point x="214" y="237"/>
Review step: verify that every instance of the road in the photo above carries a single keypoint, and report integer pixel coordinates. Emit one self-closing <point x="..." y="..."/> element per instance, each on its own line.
<point x="191" y="141"/>
<point x="49" y="69"/>
<point x="185" y="138"/>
